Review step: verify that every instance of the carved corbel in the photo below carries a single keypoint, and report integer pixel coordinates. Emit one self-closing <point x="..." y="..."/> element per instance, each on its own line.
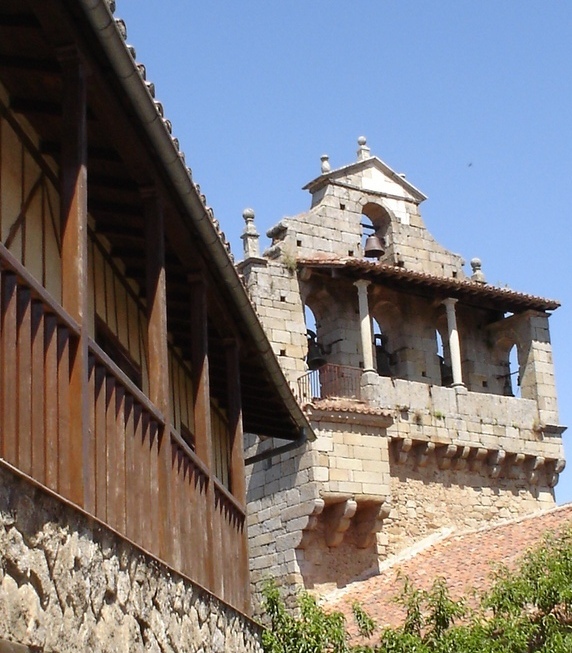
<point x="445" y="456"/>
<point x="315" y="508"/>
<point x="535" y="466"/>
<point x="337" y="521"/>
<point x="496" y="460"/>
<point x="368" y="521"/>
<point x="553" y="472"/>
<point x="516" y="463"/>
<point x="478" y="457"/>
<point x="424" y="450"/>
<point x="402" y="449"/>
<point x="462" y="460"/>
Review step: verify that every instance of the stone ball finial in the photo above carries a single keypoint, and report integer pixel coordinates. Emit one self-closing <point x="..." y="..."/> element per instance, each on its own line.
<point x="325" y="167"/>
<point x="363" y="150"/>
<point x="477" y="275"/>
<point x="250" y="236"/>
<point x="248" y="215"/>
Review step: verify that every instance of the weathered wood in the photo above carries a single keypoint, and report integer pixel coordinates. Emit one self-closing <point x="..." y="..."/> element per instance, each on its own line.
<point x="91" y="458"/>
<point x="110" y="449"/>
<point x="158" y="358"/>
<point x="119" y="462"/>
<point x="132" y="496"/>
<point x="202" y="412"/>
<point x="24" y="379"/>
<point x="51" y="405"/>
<point x="65" y="451"/>
<point x="38" y="394"/>
<point x="9" y="415"/>
<point x="73" y="198"/>
<point x="100" y="442"/>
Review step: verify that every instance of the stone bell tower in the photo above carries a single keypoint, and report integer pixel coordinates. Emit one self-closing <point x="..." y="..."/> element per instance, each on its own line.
<point x="403" y="364"/>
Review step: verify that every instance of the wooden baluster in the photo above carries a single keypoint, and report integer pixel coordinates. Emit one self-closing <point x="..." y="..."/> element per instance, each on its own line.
<point x="111" y="448"/>
<point x="143" y="435"/>
<point x="119" y="459"/>
<point x="90" y="495"/>
<point x="100" y="434"/>
<point x="38" y="393"/>
<point x="51" y="403"/>
<point x="24" y="378"/>
<point x="132" y="496"/>
<point x="64" y="432"/>
<point x="9" y="407"/>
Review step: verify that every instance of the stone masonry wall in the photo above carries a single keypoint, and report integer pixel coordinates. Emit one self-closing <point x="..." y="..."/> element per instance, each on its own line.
<point x="68" y="583"/>
<point x="428" y="499"/>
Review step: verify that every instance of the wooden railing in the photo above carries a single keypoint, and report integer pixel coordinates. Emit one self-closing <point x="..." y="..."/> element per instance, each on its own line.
<point x="153" y="491"/>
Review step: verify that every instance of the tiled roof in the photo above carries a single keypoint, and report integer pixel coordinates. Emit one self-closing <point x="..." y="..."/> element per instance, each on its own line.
<point x="344" y="405"/>
<point x="401" y="278"/>
<point x="464" y="559"/>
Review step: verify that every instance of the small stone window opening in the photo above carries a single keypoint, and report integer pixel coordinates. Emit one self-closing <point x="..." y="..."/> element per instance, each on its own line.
<point x="512" y="382"/>
<point x="445" y="368"/>
<point x="298" y="243"/>
<point x="383" y="356"/>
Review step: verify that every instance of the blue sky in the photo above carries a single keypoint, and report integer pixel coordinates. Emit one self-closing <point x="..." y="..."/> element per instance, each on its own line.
<point x="471" y="99"/>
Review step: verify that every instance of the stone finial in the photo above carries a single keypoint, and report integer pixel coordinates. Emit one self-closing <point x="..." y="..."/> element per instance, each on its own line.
<point x="250" y="236"/>
<point x="477" y="275"/>
<point x="363" y="150"/>
<point x="325" y="167"/>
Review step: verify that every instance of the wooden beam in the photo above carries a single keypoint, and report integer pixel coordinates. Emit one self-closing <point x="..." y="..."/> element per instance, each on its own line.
<point x="73" y="197"/>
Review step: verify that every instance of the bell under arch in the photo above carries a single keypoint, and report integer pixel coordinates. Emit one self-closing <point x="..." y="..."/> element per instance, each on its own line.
<point x="375" y="224"/>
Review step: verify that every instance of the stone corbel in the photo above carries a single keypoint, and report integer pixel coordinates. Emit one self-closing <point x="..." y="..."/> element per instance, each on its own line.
<point x="337" y="521"/>
<point x="461" y="462"/>
<point x="496" y="460"/>
<point x="424" y="450"/>
<point x="402" y="449"/>
<point x="535" y="465"/>
<point x="477" y="459"/>
<point x="445" y="456"/>
<point x="516" y="462"/>
<point x="315" y="508"/>
<point x="554" y="472"/>
<point x="368" y="521"/>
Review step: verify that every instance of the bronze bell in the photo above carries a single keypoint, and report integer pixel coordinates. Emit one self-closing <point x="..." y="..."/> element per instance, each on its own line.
<point x="315" y="358"/>
<point x="374" y="247"/>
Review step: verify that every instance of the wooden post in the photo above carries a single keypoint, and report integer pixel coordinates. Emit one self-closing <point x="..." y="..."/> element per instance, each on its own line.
<point x="237" y="474"/>
<point x="237" y="478"/>
<point x="73" y="175"/>
<point x="202" y="412"/>
<point x="156" y="286"/>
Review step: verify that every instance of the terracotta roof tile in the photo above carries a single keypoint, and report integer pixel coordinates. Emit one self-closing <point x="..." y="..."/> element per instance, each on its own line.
<point x="464" y="559"/>
<point x="463" y="289"/>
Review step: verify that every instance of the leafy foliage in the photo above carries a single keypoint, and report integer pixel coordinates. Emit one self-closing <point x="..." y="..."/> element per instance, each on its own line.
<point x="525" y="611"/>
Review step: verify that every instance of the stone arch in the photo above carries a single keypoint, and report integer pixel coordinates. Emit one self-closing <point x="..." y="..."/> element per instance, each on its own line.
<point x="376" y="220"/>
<point x="505" y="348"/>
<point x="387" y="320"/>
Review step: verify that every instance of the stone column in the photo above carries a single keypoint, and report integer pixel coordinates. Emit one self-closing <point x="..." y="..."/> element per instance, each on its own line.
<point x="365" y="326"/>
<point x="454" y="346"/>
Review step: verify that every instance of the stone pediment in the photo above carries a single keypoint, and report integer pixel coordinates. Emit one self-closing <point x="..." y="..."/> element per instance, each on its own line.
<point x="371" y="175"/>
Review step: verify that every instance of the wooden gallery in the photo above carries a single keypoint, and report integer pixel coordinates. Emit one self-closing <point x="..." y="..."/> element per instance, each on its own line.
<point x="131" y="360"/>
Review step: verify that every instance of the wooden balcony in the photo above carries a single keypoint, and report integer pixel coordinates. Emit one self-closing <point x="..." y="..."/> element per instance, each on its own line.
<point x="131" y="470"/>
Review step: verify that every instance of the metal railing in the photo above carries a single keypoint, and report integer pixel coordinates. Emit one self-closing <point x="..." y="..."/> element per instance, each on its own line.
<point x="330" y="381"/>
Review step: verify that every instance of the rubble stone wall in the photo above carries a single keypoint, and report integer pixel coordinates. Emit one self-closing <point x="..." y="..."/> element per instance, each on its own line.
<point x="68" y="583"/>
